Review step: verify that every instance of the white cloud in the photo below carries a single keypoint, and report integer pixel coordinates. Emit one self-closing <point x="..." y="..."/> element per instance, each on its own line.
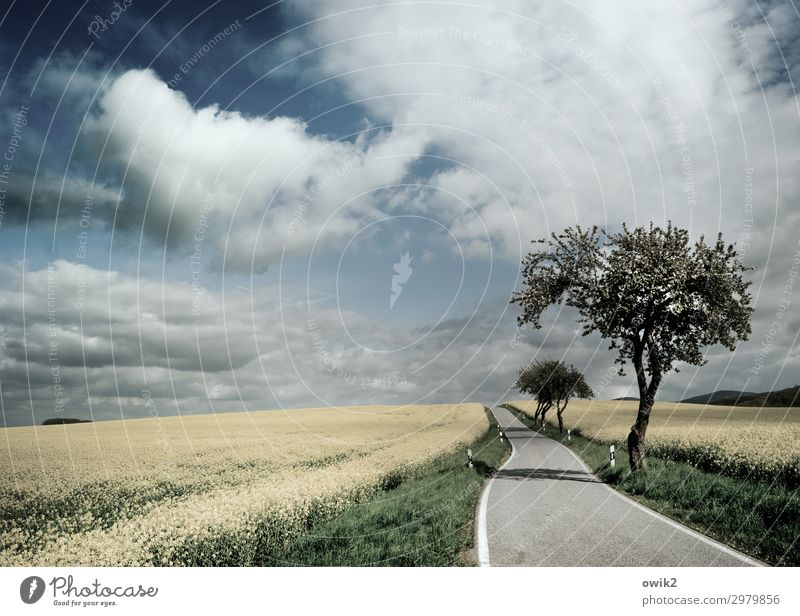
<point x="240" y="352"/>
<point x="269" y="184"/>
<point x="557" y="106"/>
<point x="73" y="329"/>
<point x="595" y="113"/>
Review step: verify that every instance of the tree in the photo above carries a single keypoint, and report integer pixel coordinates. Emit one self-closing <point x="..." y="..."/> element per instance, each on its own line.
<point x="573" y="386"/>
<point x="533" y="380"/>
<point x="657" y="299"/>
<point x="552" y="382"/>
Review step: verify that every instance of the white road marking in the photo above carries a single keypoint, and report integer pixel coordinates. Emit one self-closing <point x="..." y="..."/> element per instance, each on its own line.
<point x="693" y="533"/>
<point x="483" y="535"/>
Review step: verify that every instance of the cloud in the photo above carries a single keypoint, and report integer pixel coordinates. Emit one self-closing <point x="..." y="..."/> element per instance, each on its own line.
<point x="153" y="164"/>
<point x="80" y="341"/>
<point x="594" y="113"/>
<point x="531" y="119"/>
<point x="270" y="185"/>
<point x="75" y="340"/>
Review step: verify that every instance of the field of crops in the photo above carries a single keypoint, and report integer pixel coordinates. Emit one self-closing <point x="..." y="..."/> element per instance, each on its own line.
<point x="747" y="442"/>
<point x="208" y="489"/>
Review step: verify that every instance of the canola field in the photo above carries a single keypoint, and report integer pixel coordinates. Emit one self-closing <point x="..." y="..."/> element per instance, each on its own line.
<point x="206" y="489"/>
<point x="746" y="442"/>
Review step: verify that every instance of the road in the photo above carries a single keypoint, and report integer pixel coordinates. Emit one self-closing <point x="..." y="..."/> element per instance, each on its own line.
<point x="544" y="507"/>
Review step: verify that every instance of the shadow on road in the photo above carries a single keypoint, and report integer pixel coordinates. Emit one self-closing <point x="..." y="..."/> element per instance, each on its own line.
<point x="547" y="473"/>
<point x="484" y="469"/>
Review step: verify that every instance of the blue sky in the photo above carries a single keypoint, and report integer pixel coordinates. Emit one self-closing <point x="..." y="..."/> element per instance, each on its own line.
<point x="245" y="221"/>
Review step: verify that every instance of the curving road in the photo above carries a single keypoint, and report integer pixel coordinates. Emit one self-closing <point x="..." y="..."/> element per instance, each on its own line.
<point x="544" y="507"/>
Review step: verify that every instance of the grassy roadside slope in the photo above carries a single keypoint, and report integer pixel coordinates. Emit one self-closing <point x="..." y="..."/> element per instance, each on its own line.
<point x="756" y="517"/>
<point x="424" y="521"/>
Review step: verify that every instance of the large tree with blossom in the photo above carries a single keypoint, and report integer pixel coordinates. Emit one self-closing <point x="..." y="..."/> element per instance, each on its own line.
<point x="657" y="298"/>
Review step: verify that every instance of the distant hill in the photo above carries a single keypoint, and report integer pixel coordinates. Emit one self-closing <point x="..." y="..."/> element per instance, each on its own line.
<point x="627" y="398"/>
<point x="712" y="398"/>
<point x="57" y="421"/>
<point x="783" y="397"/>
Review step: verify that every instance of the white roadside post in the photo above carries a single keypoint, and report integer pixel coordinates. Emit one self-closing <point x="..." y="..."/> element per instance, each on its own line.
<point x="469" y="457"/>
<point x="611" y="452"/>
<point x="569" y="435"/>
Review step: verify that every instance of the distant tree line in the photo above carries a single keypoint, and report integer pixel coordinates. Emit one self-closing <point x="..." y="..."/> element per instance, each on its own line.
<point x="57" y="421"/>
<point x="784" y="397"/>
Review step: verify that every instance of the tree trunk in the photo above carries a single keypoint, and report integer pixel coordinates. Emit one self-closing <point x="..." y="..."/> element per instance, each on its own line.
<point x="647" y="396"/>
<point x="636" y="437"/>
<point x="560" y="406"/>
<point x="636" y="443"/>
<point x="544" y="411"/>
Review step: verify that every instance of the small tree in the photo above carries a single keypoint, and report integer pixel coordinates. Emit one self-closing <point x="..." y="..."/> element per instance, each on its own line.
<point x="534" y="380"/>
<point x="657" y="299"/>
<point x="573" y="385"/>
<point x="552" y="382"/>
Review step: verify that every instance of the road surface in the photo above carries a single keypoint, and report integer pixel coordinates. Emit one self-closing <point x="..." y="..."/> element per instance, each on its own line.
<point x="544" y="507"/>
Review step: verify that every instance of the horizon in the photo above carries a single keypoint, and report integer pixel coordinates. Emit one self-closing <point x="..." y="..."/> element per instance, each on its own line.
<point x="79" y="420"/>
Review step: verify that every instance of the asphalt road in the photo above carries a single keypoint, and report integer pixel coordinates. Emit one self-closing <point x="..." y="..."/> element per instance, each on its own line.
<point x="544" y="507"/>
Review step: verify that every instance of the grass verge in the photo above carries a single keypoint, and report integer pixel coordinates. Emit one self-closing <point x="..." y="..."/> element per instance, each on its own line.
<point x="759" y="518"/>
<point x="427" y="520"/>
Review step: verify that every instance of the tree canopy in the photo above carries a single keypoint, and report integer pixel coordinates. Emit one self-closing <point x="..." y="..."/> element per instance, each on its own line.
<point x="552" y="382"/>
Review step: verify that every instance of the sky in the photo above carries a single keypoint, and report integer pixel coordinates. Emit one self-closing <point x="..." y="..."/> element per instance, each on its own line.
<point x="271" y="205"/>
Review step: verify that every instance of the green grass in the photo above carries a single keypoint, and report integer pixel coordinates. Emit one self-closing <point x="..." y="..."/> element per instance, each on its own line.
<point x="756" y="517"/>
<point x="424" y="521"/>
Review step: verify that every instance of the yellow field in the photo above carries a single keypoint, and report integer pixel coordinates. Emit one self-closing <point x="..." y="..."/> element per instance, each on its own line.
<point x="746" y="441"/>
<point x="163" y="491"/>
